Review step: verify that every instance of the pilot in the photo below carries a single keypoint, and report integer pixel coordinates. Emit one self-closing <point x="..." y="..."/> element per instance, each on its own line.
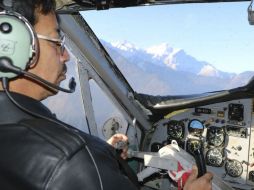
<point x="37" y="151"/>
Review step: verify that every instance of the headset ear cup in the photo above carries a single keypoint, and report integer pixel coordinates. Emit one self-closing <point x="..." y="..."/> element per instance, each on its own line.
<point x="18" y="42"/>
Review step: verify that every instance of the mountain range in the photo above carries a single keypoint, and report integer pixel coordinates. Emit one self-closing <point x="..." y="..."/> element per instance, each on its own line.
<point x="164" y="70"/>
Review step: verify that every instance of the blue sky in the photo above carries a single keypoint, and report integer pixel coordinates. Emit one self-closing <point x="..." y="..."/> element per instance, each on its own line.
<point x="218" y="33"/>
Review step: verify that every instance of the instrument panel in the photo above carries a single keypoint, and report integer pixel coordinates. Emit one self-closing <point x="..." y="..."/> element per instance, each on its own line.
<point x="223" y="131"/>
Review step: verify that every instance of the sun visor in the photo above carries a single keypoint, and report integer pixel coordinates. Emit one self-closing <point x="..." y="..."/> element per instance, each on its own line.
<point x="61" y="3"/>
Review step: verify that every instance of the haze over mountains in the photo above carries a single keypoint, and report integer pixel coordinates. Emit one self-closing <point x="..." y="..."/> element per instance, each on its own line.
<point x="163" y="70"/>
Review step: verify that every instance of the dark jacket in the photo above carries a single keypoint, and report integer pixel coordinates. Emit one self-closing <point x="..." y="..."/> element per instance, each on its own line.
<point x="39" y="154"/>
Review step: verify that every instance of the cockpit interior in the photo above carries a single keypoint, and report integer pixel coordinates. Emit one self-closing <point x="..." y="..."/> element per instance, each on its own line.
<point x="219" y="124"/>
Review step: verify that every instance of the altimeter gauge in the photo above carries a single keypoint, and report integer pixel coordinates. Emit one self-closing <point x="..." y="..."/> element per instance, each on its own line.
<point x="175" y="129"/>
<point x="234" y="168"/>
<point x="193" y="144"/>
<point x="215" y="136"/>
<point x="214" y="157"/>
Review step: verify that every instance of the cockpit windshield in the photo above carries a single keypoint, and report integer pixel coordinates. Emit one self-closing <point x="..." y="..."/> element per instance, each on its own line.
<point x="179" y="49"/>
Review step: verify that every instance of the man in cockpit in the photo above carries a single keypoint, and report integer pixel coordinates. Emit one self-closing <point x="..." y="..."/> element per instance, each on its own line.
<point x="37" y="151"/>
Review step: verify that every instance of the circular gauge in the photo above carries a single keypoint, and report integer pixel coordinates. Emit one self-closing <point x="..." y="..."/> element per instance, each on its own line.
<point x="195" y="127"/>
<point x="111" y="126"/>
<point x="215" y="136"/>
<point x="214" y="157"/>
<point x="192" y="145"/>
<point x="234" y="168"/>
<point x="175" y="129"/>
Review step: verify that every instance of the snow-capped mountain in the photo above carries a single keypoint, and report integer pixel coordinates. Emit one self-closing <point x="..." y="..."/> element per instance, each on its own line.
<point x="125" y="46"/>
<point x="174" y="58"/>
<point x="209" y="70"/>
<point x="162" y="69"/>
<point x="160" y="51"/>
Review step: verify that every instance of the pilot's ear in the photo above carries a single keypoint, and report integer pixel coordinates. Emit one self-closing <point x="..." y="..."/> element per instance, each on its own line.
<point x="34" y="62"/>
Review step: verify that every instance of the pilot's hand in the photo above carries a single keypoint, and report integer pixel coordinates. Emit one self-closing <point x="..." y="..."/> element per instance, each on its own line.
<point x="119" y="138"/>
<point x="202" y="183"/>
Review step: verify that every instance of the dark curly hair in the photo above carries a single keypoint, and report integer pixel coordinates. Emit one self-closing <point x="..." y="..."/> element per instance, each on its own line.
<point x="27" y="8"/>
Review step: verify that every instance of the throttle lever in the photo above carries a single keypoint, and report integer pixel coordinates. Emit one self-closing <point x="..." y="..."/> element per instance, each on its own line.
<point x="200" y="161"/>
